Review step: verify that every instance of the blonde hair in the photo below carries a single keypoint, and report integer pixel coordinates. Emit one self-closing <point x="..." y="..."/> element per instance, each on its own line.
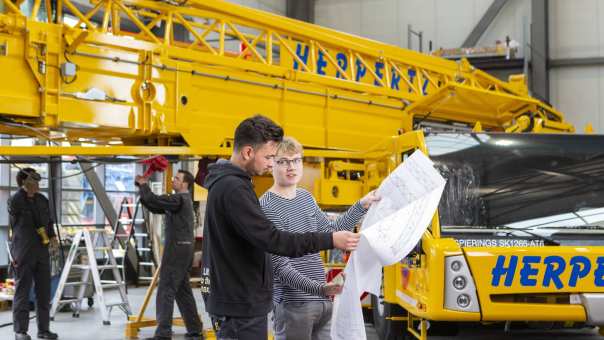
<point x="289" y="145"/>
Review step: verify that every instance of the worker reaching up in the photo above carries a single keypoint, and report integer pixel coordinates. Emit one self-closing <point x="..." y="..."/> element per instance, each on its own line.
<point x="238" y="237"/>
<point x="176" y="262"/>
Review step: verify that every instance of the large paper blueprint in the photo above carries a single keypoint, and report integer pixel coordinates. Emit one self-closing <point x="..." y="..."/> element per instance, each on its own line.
<point x="391" y="229"/>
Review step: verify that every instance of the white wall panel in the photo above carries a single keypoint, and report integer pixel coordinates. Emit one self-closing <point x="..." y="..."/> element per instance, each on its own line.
<point x="575" y="30"/>
<point x="575" y="91"/>
<point x="454" y="21"/>
<point x="273" y="6"/>
<point x="420" y="14"/>
<point x="378" y="20"/>
<point x="342" y="15"/>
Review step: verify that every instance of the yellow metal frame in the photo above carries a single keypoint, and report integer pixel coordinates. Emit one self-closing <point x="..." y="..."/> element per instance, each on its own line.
<point x="422" y="334"/>
<point x="136" y="322"/>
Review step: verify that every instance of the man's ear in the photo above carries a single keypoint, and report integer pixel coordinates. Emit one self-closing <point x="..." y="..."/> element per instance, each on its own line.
<point x="247" y="152"/>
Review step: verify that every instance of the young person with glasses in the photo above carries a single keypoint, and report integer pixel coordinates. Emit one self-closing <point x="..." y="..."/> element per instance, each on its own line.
<point x="301" y="293"/>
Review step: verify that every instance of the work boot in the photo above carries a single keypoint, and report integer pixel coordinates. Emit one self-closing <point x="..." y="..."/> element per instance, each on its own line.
<point x="158" y="338"/>
<point x="194" y="336"/>
<point x="22" y="336"/>
<point x="47" y="335"/>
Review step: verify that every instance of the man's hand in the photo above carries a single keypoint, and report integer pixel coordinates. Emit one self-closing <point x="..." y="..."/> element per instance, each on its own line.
<point x="140" y="180"/>
<point x="345" y="240"/>
<point x="331" y="289"/>
<point x="369" y="199"/>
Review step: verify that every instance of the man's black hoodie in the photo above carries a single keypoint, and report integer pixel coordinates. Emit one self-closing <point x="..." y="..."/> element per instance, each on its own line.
<point x="237" y="238"/>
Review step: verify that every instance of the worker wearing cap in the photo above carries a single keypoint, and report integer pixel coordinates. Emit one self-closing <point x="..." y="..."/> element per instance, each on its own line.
<point x="32" y="233"/>
<point x="178" y="255"/>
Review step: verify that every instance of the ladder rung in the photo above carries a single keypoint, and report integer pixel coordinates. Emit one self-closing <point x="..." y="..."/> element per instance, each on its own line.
<point x="143" y="249"/>
<point x="103" y="266"/>
<point x="108" y="281"/>
<point x="111" y="285"/>
<point x="141" y="235"/>
<point x="147" y="278"/>
<point x="121" y="235"/>
<point x="80" y="266"/>
<point x="117" y="304"/>
<point x="109" y="266"/>
<point x="148" y="264"/>
<point x="128" y="205"/>
<point x="130" y="220"/>
<point x="68" y="301"/>
<point x="97" y="248"/>
<point x="78" y="283"/>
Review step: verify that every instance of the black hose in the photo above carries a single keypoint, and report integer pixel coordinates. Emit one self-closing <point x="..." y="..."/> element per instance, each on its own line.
<point x="11" y="323"/>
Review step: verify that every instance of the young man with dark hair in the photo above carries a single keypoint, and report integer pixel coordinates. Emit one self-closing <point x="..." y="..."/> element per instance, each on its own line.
<point x="238" y="237"/>
<point x="32" y="233"/>
<point x="176" y="262"/>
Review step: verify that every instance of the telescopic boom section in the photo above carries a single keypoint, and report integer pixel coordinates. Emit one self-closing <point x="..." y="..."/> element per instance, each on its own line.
<point x="171" y="73"/>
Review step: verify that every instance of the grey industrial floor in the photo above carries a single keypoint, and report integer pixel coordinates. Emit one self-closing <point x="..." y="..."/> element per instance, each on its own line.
<point x="89" y="326"/>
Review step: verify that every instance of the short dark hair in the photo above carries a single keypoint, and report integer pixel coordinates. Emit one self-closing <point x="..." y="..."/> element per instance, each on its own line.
<point x="26" y="172"/>
<point x="256" y="131"/>
<point x="188" y="178"/>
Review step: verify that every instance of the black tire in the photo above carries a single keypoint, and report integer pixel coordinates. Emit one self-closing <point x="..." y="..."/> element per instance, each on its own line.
<point x="90" y="302"/>
<point x="385" y="328"/>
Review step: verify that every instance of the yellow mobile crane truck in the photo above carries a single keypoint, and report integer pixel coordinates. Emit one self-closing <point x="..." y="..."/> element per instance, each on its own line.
<point x="172" y="77"/>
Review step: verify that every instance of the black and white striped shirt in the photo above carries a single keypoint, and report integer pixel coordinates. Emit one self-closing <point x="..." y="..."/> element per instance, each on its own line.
<point x="300" y="279"/>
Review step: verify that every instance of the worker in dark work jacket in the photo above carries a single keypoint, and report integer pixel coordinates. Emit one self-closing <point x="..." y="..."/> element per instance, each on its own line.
<point x="32" y="233"/>
<point x="178" y="254"/>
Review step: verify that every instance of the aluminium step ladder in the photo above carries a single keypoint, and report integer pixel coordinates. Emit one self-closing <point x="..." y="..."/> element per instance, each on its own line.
<point x="131" y="232"/>
<point x="94" y="241"/>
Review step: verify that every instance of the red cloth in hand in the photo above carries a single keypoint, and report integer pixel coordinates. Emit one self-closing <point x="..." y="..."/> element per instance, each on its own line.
<point x="157" y="163"/>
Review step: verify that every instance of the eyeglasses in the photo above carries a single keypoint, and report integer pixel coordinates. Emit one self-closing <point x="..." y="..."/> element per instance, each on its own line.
<point x="284" y="162"/>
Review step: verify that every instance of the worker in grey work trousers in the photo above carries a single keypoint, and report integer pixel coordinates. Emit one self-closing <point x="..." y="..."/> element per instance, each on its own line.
<point x="178" y="254"/>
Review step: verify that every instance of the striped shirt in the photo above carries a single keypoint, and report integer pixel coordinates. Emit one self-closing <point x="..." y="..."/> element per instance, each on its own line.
<point x="301" y="279"/>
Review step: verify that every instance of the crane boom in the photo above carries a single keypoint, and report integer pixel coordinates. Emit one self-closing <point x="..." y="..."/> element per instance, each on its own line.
<point x="181" y="75"/>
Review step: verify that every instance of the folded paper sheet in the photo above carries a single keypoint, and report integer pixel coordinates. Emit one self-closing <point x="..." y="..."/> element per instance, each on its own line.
<point x="391" y="229"/>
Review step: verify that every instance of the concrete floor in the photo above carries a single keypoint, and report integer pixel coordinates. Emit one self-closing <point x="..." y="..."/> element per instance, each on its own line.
<point x="90" y="327"/>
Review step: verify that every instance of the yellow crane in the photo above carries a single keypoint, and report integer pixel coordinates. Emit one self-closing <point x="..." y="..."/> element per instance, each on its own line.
<point x="141" y="77"/>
